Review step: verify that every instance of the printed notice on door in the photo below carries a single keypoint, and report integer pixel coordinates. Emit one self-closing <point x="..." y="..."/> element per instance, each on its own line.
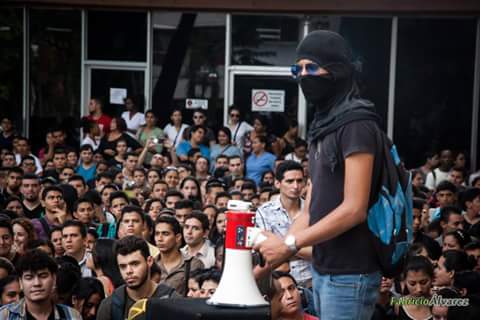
<point x="268" y="100"/>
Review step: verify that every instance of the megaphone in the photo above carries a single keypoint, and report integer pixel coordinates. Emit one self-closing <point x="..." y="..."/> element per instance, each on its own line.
<point x="237" y="287"/>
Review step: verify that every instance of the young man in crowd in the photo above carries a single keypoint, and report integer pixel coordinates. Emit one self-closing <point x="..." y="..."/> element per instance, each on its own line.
<point x="38" y="274"/>
<point x="159" y="190"/>
<point x="285" y="299"/>
<point x="59" y="159"/>
<point x="74" y="242"/>
<point x="87" y="167"/>
<point x="195" y="232"/>
<point x="441" y="173"/>
<point x="84" y="211"/>
<point x="6" y="241"/>
<point x="197" y="134"/>
<point x="278" y="215"/>
<point x="28" y="165"/>
<point x="55" y="213"/>
<point x="22" y="149"/>
<point x="183" y="208"/>
<point x="446" y="195"/>
<point x="134" y="262"/>
<point x="95" y="107"/>
<point x="172" y="197"/>
<point x="213" y="188"/>
<point x="132" y="223"/>
<point x="200" y="119"/>
<point x="131" y="162"/>
<point x="30" y="190"/>
<point x="470" y="203"/>
<point x="79" y="184"/>
<point x="175" y="268"/>
<point x="14" y="181"/>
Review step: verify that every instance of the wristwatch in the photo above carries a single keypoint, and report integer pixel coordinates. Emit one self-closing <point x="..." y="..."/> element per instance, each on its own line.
<point x="290" y="243"/>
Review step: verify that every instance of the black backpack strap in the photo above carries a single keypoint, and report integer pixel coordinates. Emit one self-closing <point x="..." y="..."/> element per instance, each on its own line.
<point x="61" y="311"/>
<point x="188" y="264"/>
<point x="45" y="226"/>
<point x="118" y="303"/>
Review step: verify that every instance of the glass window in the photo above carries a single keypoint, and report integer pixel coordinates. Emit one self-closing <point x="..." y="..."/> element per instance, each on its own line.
<point x="244" y="99"/>
<point x="433" y="96"/>
<point x="188" y="62"/>
<point x="370" y="40"/>
<point x="265" y="40"/>
<point x="55" y="46"/>
<point x="104" y="79"/>
<point x="117" y="35"/>
<point x="11" y="66"/>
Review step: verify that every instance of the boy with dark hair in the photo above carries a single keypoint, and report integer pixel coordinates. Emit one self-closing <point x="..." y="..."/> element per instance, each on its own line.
<point x="446" y="195"/>
<point x="134" y="262"/>
<point x="87" y="167"/>
<point x="78" y="182"/>
<point x="470" y="204"/>
<point x="175" y="268"/>
<point x="30" y="190"/>
<point x="74" y="235"/>
<point x="55" y="211"/>
<point x="183" y="208"/>
<point x="132" y="223"/>
<point x="172" y="197"/>
<point x="195" y="233"/>
<point x="37" y="272"/>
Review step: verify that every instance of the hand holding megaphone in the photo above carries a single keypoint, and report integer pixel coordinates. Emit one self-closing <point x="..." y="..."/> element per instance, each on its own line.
<point x="272" y="248"/>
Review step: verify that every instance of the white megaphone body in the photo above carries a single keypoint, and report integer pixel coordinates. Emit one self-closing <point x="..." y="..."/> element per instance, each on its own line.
<point x="237" y="287"/>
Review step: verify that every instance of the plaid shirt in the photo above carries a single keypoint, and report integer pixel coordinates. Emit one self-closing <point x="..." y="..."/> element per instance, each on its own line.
<point x="18" y="311"/>
<point x="271" y="216"/>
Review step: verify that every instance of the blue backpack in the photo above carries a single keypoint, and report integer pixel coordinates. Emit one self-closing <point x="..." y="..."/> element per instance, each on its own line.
<point x="390" y="215"/>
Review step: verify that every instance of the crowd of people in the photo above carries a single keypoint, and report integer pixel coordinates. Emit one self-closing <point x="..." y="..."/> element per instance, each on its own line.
<point x="137" y="211"/>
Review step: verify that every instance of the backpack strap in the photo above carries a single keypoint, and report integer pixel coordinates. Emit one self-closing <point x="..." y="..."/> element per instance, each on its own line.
<point x="45" y="226"/>
<point x="61" y="311"/>
<point x="118" y="303"/>
<point x="188" y="265"/>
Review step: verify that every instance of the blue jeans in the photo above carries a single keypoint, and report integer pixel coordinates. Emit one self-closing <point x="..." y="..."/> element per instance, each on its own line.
<point x="348" y="297"/>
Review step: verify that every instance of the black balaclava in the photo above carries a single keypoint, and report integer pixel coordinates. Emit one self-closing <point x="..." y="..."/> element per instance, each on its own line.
<point x="331" y="52"/>
<point x="335" y="95"/>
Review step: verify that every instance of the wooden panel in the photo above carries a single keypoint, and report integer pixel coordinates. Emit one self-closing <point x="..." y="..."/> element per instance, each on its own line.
<point x="446" y="7"/>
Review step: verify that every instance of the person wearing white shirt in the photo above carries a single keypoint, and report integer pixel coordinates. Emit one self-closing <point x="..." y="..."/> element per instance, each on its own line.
<point x="174" y="130"/>
<point x="132" y="117"/>
<point x="195" y="231"/>
<point x="237" y="127"/>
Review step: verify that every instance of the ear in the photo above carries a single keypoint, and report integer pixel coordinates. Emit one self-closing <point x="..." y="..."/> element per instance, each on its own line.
<point x="277" y="184"/>
<point x="463" y="292"/>
<point x="150" y="261"/>
<point x="178" y="238"/>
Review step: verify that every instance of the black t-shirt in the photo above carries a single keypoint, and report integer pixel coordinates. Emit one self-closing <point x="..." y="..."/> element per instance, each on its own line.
<point x="351" y="252"/>
<point x="35" y="213"/>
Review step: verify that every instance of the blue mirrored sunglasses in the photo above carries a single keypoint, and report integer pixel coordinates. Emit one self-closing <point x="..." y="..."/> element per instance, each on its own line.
<point x="311" y="69"/>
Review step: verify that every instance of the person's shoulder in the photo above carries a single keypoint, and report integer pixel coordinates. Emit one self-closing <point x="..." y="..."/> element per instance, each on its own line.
<point x="69" y="312"/>
<point x="163" y="291"/>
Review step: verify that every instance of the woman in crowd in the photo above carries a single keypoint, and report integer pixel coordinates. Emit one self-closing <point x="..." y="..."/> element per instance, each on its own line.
<point x="171" y="177"/>
<point x="418" y="282"/>
<point x="118" y="160"/>
<point x="87" y="294"/>
<point x="10" y="290"/>
<point x="455" y="240"/>
<point x="202" y="165"/>
<point x="117" y="132"/>
<point x="190" y="188"/>
<point x="133" y="118"/>
<point x="23" y="232"/>
<point x="238" y="128"/>
<point x="104" y="263"/>
<point x="211" y="211"/>
<point x="451" y="262"/>
<point x="218" y="229"/>
<point x="260" y="160"/>
<point x="287" y="141"/>
<point x="153" y="207"/>
<point x="153" y="175"/>
<point x="174" y="130"/>
<point x="224" y="146"/>
<point x="150" y="131"/>
<point x="260" y="128"/>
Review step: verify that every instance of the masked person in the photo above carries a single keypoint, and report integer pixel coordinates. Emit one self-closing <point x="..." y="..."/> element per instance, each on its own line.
<point x="343" y="148"/>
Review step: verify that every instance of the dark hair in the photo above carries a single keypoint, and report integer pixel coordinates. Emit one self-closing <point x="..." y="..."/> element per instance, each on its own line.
<point x="173" y="193"/>
<point x="419" y="263"/>
<point x="273" y="289"/>
<point x="287" y="165"/>
<point x="458" y="261"/>
<point x="7" y="265"/>
<point x="200" y="216"/>
<point x="104" y="260"/>
<point x="35" y="260"/>
<point x="118" y="194"/>
<point x="86" y="147"/>
<point x="48" y="189"/>
<point x="121" y="124"/>
<point x="6" y="281"/>
<point x="130" y="209"/>
<point x="190" y="178"/>
<point x="183" y="204"/>
<point x="37" y="243"/>
<point x="103" y="175"/>
<point x="472" y="245"/>
<point x="222" y="195"/>
<point x="84" y="288"/>
<point x="418" y="203"/>
<point x="446" y="186"/>
<point x="445" y="212"/>
<point x="82" y="200"/>
<point x="93" y="196"/>
<point x="469" y="280"/>
<point x="59" y="150"/>
<point x="249" y="186"/>
<point x="27" y="158"/>
<point x="174" y="224"/>
<point x="462" y="237"/>
<point x="75" y="223"/>
<point x="6" y="224"/>
<point x="30" y="176"/>
<point x="467" y="196"/>
<point x="130" y="244"/>
<point x="227" y="132"/>
<point x="196" y="127"/>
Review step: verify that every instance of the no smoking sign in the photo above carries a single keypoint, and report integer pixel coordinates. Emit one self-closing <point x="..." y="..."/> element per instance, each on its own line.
<point x="268" y="100"/>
